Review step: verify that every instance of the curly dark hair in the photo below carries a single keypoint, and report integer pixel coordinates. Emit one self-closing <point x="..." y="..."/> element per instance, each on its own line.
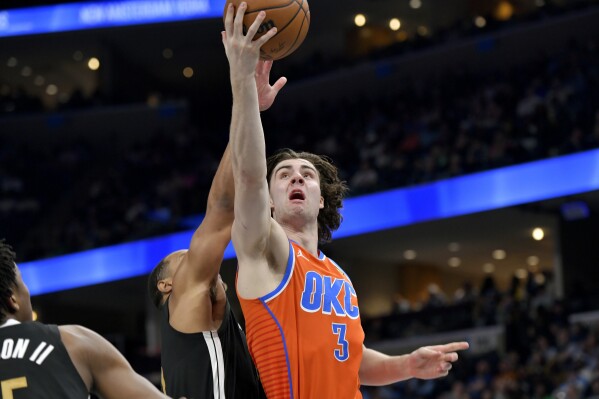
<point x="332" y="188"/>
<point x="8" y="278"/>
<point x="155" y="276"/>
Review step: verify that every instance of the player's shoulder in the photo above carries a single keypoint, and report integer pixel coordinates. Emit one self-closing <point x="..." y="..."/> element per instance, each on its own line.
<point x="77" y="336"/>
<point x="75" y="329"/>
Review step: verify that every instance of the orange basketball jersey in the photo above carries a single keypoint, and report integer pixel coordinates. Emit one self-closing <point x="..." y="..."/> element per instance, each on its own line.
<point x="306" y="336"/>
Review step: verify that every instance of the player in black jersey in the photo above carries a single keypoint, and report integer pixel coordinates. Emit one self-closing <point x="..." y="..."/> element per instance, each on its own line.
<point x="204" y="352"/>
<point x="48" y="361"/>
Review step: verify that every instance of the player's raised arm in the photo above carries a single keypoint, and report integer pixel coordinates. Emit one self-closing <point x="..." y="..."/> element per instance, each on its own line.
<point x="252" y="225"/>
<point x="209" y="241"/>
<point x="214" y="233"/>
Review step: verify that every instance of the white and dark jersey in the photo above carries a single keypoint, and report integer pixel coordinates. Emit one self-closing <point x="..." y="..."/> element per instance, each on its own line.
<point x="34" y="363"/>
<point x="208" y="364"/>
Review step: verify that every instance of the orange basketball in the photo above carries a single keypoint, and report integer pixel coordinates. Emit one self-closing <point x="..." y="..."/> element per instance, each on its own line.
<point x="291" y="18"/>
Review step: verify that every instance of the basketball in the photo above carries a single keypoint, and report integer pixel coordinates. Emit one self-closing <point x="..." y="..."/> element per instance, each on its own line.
<point x="290" y="17"/>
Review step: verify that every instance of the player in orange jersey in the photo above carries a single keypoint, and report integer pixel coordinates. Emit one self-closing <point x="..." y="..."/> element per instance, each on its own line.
<point x="302" y="314"/>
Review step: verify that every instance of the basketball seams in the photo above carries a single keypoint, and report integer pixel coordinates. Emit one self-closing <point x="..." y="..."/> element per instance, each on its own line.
<point x="290" y="19"/>
<point x="288" y="43"/>
<point x="248" y="12"/>
<point x="294" y="46"/>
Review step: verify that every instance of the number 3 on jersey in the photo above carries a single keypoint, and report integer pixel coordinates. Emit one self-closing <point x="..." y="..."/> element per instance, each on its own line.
<point x="341" y="354"/>
<point x="10" y="385"/>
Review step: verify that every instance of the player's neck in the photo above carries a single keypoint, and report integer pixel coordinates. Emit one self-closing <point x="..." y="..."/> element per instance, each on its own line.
<point x="306" y="238"/>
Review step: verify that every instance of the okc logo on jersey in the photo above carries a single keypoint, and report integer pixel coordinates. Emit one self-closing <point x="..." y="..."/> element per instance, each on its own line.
<point x="323" y="293"/>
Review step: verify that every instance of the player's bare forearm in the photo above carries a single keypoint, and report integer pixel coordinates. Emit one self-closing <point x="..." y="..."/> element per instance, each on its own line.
<point x="247" y="136"/>
<point x="248" y="150"/>
<point x="222" y="191"/>
<point x="427" y="362"/>
<point x="379" y="369"/>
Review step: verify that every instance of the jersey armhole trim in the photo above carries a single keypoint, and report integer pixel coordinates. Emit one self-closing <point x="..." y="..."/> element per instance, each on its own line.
<point x="286" y="278"/>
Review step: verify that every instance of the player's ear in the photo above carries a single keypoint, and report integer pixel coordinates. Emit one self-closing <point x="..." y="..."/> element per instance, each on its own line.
<point x="321" y="202"/>
<point x="165" y="285"/>
<point x="13" y="303"/>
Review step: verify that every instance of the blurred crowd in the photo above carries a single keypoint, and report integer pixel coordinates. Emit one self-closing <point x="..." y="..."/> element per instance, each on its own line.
<point x="542" y="354"/>
<point x="80" y="196"/>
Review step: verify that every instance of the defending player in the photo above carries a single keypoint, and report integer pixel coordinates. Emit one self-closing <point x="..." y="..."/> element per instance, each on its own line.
<point x="204" y="352"/>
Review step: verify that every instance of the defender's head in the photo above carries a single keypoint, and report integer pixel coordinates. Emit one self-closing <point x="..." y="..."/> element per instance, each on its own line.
<point x="160" y="281"/>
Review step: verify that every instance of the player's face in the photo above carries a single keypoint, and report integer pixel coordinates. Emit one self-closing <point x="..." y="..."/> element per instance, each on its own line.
<point x="295" y="189"/>
<point x="23" y="299"/>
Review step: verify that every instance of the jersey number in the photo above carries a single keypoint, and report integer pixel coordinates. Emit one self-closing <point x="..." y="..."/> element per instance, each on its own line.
<point x="10" y="385"/>
<point x="341" y="354"/>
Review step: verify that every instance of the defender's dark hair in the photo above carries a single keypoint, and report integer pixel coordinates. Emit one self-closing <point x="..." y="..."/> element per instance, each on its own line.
<point x="8" y="279"/>
<point x="332" y="188"/>
<point x="156" y="275"/>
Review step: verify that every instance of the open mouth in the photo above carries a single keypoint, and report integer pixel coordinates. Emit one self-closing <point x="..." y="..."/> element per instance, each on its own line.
<point x="297" y="195"/>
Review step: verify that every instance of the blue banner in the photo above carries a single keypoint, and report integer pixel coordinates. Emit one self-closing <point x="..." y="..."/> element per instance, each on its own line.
<point x="93" y="15"/>
<point x="494" y="189"/>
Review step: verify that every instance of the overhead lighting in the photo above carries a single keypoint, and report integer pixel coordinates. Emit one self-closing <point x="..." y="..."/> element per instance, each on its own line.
<point x="39" y="80"/>
<point x="78" y="56"/>
<point x="360" y="20"/>
<point x="34" y="316"/>
<point x="454" y="261"/>
<point x="93" y="64"/>
<point x="538" y="234"/>
<point x="188" y="72"/>
<point x="488" y="268"/>
<point x="539" y="278"/>
<point x="499" y="254"/>
<point x="480" y="22"/>
<point x="12" y="62"/>
<point x="415" y="4"/>
<point x="540" y="3"/>
<point x="51" y="90"/>
<point x="394" y="24"/>
<point x="532" y="260"/>
<point x="504" y="10"/>
<point x="410" y="254"/>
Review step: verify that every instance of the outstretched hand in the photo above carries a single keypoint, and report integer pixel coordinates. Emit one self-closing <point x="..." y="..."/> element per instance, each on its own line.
<point x="434" y="361"/>
<point x="266" y="92"/>
<point x="242" y="51"/>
